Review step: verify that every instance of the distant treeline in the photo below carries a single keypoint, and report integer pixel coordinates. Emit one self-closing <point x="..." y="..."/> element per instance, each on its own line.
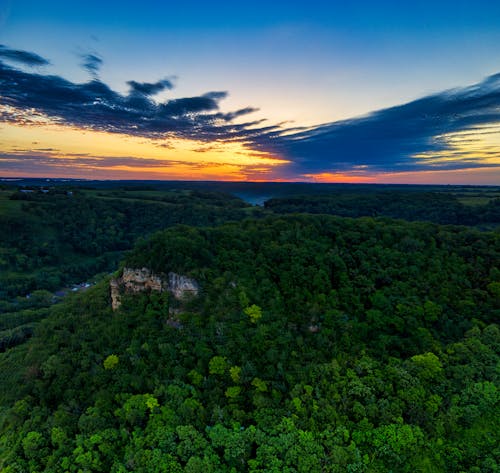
<point x="437" y="207"/>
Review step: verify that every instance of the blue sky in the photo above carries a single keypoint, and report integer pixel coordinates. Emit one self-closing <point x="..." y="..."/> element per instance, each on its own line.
<point x="303" y="63"/>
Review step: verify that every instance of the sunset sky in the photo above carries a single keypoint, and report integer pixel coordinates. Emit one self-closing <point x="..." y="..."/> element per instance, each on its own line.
<point x="364" y="91"/>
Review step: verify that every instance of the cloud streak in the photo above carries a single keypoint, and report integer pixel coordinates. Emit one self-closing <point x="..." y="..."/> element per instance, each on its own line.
<point x="148" y="89"/>
<point x="22" y="57"/>
<point x="397" y="138"/>
<point x="33" y="162"/>
<point x="49" y="158"/>
<point x="92" y="63"/>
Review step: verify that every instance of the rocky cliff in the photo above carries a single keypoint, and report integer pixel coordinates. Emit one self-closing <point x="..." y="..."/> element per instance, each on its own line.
<point x="135" y="280"/>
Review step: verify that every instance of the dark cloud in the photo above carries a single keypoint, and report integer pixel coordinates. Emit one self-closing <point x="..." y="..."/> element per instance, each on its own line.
<point x="239" y="113"/>
<point x="91" y="63"/>
<point x="22" y="57"/>
<point x="147" y="88"/>
<point x="390" y="139"/>
<point x="190" y="105"/>
<point x="94" y="105"/>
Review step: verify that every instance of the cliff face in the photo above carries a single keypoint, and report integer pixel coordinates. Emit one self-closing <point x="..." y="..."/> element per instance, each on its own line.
<point x="135" y="280"/>
<point x="115" y="294"/>
<point x="181" y="286"/>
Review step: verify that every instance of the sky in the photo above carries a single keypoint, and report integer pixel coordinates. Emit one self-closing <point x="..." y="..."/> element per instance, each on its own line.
<point x="361" y="91"/>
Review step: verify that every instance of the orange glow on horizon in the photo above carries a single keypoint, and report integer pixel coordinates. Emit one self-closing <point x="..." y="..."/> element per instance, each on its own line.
<point x="100" y="155"/>
<point x="43" y="149"/>
<point x="488" y="176"/>
<point x="337" y="177"/>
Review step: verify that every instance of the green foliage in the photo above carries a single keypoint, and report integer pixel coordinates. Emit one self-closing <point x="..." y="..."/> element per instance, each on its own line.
<point x="428" y="365"/>
<point x="111" y="362"/>
<point x="438" y="206"/>
<point x="259" y="385"/>
<point x="254" y="312"/>
<point x="494" y="288"/>
<point x="33" y="444"/>
<point x="233" y="392"/>
<point x="369" y="357"/>
<point x="217" y="365"/>
<point x="195" y="377"/>
<point x="54" y="239"/>
<point x="235" y="373"/>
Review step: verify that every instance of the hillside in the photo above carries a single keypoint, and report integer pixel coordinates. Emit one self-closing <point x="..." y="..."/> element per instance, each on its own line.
<point x="314" y="344"/>
<point x="62" y="235"/>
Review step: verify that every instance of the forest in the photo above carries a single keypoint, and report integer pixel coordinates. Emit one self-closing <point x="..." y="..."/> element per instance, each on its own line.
<point x="316" y="343"/>
<point x="437" y="207"/>
<point x="60" y="236"/>
<point x="66" y="233"/>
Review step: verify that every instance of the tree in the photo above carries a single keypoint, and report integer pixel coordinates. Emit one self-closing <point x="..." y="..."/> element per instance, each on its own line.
<point x="111" y="362"/>
<point x="254" y="312"/>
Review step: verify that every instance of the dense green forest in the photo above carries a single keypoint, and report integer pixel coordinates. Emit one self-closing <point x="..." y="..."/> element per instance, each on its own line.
<point x="55" y="237"/>
<point x="438" y="207"/>
<point x="60" y="235"/>
<point x="316" y="344"/>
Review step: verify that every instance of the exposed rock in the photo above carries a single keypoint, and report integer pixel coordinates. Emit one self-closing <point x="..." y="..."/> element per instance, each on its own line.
<point x="135" y="280"/>
<point x="139" y="280"/>
<point x="181" y="286"/>
<point x="174" y="323"/>
<point x="115" y="294"/>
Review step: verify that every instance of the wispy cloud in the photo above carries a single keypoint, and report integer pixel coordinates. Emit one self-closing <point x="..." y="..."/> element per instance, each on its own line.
<point x="22" y="57"/>
<point x="147" y="88"/>
<point x="92" y="62"/>
<point x="50" y="158"/>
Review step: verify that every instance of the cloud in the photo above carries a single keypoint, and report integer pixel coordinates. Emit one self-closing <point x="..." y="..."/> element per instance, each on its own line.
<point x="22" y="57"/>
<point x="190" y="105"/>
<point x="147" y="88"/>
<point x="94" y="105"/>
<point x="28" y="162"/>
<point x="48" y="158"/>
<point x="396" y="138"/>
<point x="92" y="63"/>
<point x="423" y="134"/>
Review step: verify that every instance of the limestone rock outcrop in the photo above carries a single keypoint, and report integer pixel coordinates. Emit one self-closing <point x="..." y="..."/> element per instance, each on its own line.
<point x="139" y="280"/>
<point x="181" y="286"/>
<point x="115" y="294"/>
<point x="134" y="280"/>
